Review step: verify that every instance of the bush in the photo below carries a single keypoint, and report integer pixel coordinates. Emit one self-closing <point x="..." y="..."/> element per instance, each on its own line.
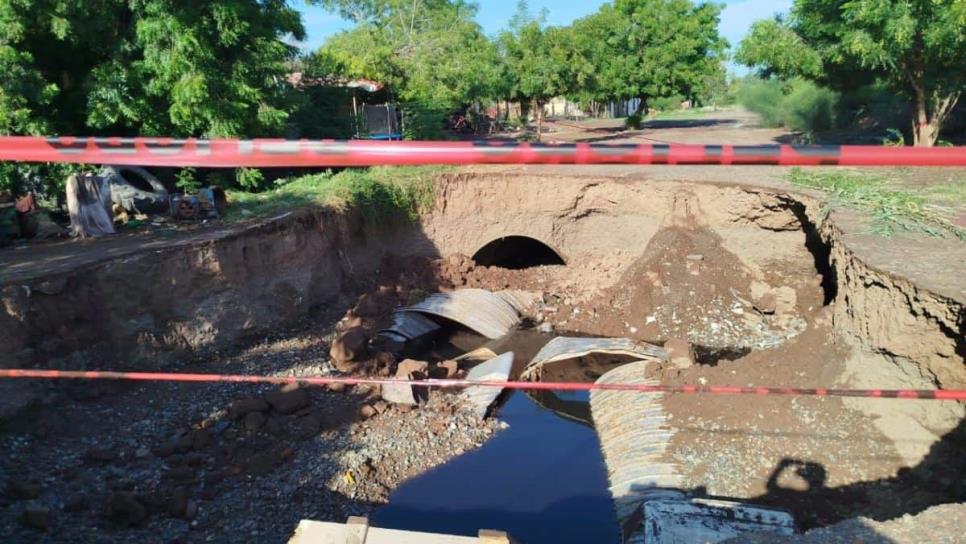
<point x="809" y="108"/>
<point x="763" y="97"/>
<point x="249" y="179"/>
<point x="634" y="121"/>
<point x="798" y="105"/>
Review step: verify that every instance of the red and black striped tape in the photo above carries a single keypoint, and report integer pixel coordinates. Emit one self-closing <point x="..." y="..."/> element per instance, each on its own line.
<point x="922" y="394"/>
<point x="335" y="153"/>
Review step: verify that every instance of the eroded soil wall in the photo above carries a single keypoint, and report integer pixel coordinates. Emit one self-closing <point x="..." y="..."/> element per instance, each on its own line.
<point x="147" y="310"/>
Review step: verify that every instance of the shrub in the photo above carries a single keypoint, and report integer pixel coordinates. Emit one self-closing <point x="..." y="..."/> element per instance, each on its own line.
<point x="249" y="179"/>
<point x="634" y="121"/>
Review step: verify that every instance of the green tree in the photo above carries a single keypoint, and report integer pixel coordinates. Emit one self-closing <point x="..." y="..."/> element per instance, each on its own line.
<point x="918" y="47"/>
<point x="599" y="57"/>
<point x="540" y="60"/>
<point x="666" y="48"/>
<point x="430" y="53"/>
<point x="145" y="66"/>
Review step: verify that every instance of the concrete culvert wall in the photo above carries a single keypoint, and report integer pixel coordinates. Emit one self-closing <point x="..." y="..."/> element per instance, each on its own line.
<point x="517" y="252"/>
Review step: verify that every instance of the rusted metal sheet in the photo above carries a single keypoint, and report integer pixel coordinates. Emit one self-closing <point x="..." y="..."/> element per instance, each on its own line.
<point x="477" y="309"/>
<point x="634" y="435"/>
<point x="563" y="348"/>
<point x="651" y="505"/>
<point x="411" y="325"/>
<point x="520" y="300"/>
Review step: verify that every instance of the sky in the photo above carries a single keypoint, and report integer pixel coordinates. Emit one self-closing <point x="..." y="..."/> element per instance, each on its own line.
<point x="493" y="15"/>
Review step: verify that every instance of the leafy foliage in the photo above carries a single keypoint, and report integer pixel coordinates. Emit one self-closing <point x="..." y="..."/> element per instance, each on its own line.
<point x="142" y="67"/>
<point x="797" y="104"/>
<point x="382" y="195"/>
<point x="917" y="47"/>
<point x="431" y="53"/>
<point x="668" y="47"/>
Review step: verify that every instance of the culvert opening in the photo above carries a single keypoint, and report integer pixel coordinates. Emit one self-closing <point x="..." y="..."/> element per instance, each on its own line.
<point x="517" y="253"/>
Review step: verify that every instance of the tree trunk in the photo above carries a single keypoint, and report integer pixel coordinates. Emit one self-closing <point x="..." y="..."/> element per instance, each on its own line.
<point x="538" y="112"/>
<point x="641" y="107"/>
<point x="929" y="114"/>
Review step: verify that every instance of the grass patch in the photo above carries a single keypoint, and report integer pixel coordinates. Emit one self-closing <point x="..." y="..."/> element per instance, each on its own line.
<point x="891" y="209"/>
<point x="382" y="194"/>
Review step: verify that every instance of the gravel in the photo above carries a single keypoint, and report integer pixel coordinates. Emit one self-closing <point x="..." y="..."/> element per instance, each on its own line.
<point x="165" y="463"/>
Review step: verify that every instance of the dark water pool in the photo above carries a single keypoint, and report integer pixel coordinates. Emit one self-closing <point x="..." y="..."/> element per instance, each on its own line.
<point x="541" y="480"/>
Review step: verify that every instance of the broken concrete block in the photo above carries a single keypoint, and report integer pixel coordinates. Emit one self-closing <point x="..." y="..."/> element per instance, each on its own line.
<point x="680" y="353"/>
<point x="410" y="368"/>
<point x="399" y="393"/>
<point x="496" y="369"/>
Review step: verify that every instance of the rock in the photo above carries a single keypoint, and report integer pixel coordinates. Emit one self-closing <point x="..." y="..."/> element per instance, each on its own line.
<point x="185" y="443"/>
<point x="680" y="353"/>
<point x="200" y="439"/>
<point x="382" y="364"/>
<point x="349" y="349"/>
<point x="264" y="462"/>
<point x="195" y="459"/>
<point x="308" y="426"/>
<point x="785" y="300"/>
<point x="412" y="369"/>
<point x="141" y="453"/>
<point x="276" y="425"/>
<point x="182" y="473"/>
<point x="178" y="503"/>
<point x="125" y="507"/>
<point x="36" y="516"/>
<point x="545" y="327"/>
<point x="451" y="367"/>
<point x="167" y="448"/>
<point x="400" y="393"/>
<point x="368" y="306"/>
<point x="243" y="407"/>
<point x="254" y="421"/>
<point x="289" y="399"/>
<point x="367" y="411"/>
<point x="100" y="455"/>
<point x="381" y="406"/>
<point x="23" y="490"/>
<point x="75" y="503"/>
<point x="767" y="303"/>
<point x="351" y="322"/>
<point x="336" y="387"/>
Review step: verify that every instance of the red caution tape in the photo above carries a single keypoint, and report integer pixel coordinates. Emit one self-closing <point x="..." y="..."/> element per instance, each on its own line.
<point x="925" y="394"/>
<point x="326" y="153"/>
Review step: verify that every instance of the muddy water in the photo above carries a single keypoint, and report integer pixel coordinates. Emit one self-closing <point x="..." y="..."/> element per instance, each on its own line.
<point x="541" y="480"/>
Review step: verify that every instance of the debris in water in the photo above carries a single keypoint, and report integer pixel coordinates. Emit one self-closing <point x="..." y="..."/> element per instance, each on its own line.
<point x="496" y="369"/>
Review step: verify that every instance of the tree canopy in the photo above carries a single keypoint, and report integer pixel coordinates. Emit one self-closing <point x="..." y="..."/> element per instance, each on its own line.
<point x="918" y="47"/>
<point x="428" y="51"/>
<point x="667" y="47"/>
<point x="145" y="66"/>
